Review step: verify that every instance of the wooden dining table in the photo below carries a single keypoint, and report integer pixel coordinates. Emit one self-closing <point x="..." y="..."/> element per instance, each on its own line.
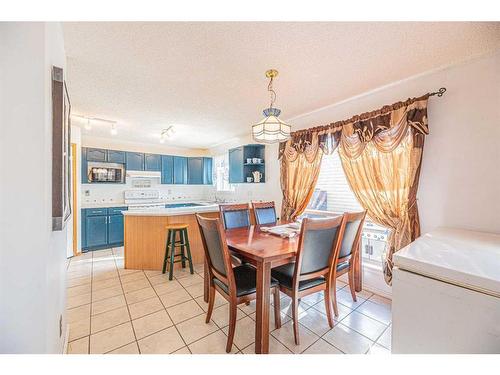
<point x="264" y="251"/>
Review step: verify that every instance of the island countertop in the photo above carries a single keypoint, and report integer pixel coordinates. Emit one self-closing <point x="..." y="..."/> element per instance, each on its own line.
<point x="202" y="207"/>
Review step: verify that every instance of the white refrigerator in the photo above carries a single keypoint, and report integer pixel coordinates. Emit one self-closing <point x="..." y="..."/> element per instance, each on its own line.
<point x="446" y="294"/>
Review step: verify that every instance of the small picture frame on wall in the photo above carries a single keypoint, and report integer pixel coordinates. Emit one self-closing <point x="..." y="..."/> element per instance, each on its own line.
<point x="61" y="151"/>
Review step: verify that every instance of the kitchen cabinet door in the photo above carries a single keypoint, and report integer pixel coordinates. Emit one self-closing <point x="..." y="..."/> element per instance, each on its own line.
<point x="115" y="229"/>
<point x="96" y="231"/>
<point x="236" y="165"/>
<point x="167" y="169"/>
<point x="96" y="154"/>
<point x="195" y="171"/>
<point x="116" y="156"/>
<point x="135" y="161"/>
<point x="208" y="171"/>
<point x="180" y="170"/>
<point x="152" y="162"/>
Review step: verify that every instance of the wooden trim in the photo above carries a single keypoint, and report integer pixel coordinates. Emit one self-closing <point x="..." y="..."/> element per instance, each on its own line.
<point x="75" y="199"/>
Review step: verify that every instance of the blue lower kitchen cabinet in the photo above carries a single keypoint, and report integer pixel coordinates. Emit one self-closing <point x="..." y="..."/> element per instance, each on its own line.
<point x="102" y="228"/>
<point x="180" y="169"/>
<point x="96" y="231"/>
<point x="115" y="230"/>
<point x="195" y="171"/>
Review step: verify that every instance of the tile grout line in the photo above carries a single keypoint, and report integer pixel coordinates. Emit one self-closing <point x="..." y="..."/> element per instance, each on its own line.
<point x="126" y="304"/>
<point x="174" y="325"/>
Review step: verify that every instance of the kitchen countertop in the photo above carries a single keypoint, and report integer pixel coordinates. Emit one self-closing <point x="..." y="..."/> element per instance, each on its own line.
<point x="104" y="204"/>
<point x="207" y="207"/>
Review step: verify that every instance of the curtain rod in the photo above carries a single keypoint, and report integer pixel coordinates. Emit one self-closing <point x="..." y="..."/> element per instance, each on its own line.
<point x="439" y="93"/>
<point x="366" y="115"/>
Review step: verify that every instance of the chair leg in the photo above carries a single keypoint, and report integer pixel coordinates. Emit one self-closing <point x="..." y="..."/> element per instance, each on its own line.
<point x="333" y="288"/>
<point x="232" y="326"/>
<point x="295" y="313"/>
<point x="172" y="255"/>
<point x="277" y="308"/>
<point x="211" y="302"/>
<point x="188" y="249"/>
<point x="328" y="305"/>
<point x="183" y="248"/>
<point x="166" y="253"/>
<point x="352" y="287"/>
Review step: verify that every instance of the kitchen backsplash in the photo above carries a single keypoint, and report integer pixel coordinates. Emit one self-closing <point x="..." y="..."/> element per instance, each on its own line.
<point x="113" y="193"/>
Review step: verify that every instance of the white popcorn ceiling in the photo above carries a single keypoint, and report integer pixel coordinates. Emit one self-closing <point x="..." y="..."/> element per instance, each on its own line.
<point x="207" y="79"/>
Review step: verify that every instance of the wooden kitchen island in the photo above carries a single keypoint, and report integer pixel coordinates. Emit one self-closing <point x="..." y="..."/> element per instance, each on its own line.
<point x="145" y="235"/>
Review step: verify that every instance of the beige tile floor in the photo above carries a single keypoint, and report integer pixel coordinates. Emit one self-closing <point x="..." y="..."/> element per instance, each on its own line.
<point x="118" y="311"/>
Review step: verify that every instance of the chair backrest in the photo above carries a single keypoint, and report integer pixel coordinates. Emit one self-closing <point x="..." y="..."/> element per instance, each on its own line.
<point x="235" y="215"/>
<point x="264" y="213"/>
<point x="352" y="234"/>
<point x="217" y="254"/>
<point x="319" y="242"/>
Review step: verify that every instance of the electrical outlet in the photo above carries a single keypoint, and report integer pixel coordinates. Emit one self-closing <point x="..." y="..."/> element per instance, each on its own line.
<point x="87" y="193"/>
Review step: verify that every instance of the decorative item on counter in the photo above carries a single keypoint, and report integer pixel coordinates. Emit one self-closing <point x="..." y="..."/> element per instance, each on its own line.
<point x="249" y="179"/>
<point x="249" y="161"/>
<point x="257" y="176"/>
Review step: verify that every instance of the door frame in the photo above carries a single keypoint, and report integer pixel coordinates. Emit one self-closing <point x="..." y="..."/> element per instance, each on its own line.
<point x="74" y="189"/>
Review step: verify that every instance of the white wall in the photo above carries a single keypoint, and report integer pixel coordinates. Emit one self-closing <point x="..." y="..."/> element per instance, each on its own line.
<point x="460" y="177"/>
<point x="32" y="257"/>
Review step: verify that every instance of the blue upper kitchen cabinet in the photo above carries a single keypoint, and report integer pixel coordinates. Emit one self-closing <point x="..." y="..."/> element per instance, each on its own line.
<point x="208" y="171"/>
<point x="96" y="154"/>
<point x="116" y="156"/>
<point x="236" y="174"/>
<point x="135" y="161"/>
<point x="180" y="170"/>
<point x="152" y="162"/>
<point x="167" y="169"/>
<point x="195" y="171"/>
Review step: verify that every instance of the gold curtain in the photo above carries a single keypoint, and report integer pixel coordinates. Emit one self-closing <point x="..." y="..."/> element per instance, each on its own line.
<point x="381" y="154"/>
<point x="384" y="172"/>
<point x="299" y="174"/>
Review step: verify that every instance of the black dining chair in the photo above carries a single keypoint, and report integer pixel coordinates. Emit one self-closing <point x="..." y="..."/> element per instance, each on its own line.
<point x="264" y="213"/>
<point x="237" y="285"/>
<point x="348" y="253"/>
<point x="235" y="215"/>
<point x="312" y="270"/>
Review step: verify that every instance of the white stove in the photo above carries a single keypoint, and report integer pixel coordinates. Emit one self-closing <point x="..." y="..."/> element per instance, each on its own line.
<point x="143" y="199"/>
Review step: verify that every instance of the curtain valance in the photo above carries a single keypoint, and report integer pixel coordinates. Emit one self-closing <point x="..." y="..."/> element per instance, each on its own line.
<point x="386" y="127"/>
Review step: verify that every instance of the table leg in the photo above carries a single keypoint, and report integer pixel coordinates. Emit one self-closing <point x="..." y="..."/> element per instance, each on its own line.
<point x="205" y="282"/>
<point x="262" y="309"/>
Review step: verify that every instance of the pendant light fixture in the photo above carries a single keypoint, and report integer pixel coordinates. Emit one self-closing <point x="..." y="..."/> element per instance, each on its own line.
<point x="271" y="129"/>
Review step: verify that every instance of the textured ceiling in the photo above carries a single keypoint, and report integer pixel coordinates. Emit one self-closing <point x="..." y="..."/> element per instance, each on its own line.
<point x="208" y="79"/>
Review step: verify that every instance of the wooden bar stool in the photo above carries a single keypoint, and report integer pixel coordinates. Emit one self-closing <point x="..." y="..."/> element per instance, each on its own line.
<point x="172" y="243"/>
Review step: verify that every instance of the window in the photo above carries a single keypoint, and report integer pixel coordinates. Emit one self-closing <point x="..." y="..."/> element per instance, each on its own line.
<point x="221" y="170"/>
<point x="334" y="194"/>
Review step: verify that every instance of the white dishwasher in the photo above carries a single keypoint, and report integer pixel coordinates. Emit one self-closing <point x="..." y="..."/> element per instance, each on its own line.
<point x="446" y="294"/>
